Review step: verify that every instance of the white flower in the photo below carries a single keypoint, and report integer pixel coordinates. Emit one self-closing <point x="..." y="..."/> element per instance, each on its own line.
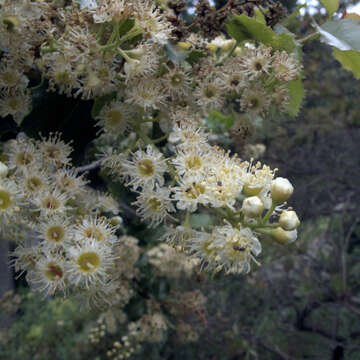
<point x="95" y="228"/>
<point x="147" y="93"/>
<point x="54" y="150"/>
<point x="145" y="169"/>
<point x="236" y="248"/>
<point x="51" y="202"/>
<point x="154" y="205"/>
<point x="89" y="262"/>
<point x="49" y="274"/>
<point x="10" y="200"/>
<point x="55" y="231"/>
<point x="190" y="193"/>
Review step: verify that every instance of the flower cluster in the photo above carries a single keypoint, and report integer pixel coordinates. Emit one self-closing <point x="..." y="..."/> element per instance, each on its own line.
<point x="151" y="97"/>
<point x="244" y="195"/>
<point x="67" y="246"/>
<point x="127" y="49"/>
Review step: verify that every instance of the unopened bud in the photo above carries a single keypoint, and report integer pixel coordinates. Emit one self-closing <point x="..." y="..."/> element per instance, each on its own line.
<point x="116" y="221"/>
<point x="289" y="220"/>
<point x="281" y="189"/>
<point x="184" y="45"/>
<point x="228" y="45"/>
<point x="3" y="170"/>
<point x="212" y="47"/>
<point x="252" y="206"/>
<point x="284" y="237"/>
<point x="250" y="190"/>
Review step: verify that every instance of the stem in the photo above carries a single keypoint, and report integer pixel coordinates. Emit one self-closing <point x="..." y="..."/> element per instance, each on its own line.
<point x="160" y="139"/>
<point x="91" y="166"/>
<point x="269" y="213"/>
<point x="308" y="37"/>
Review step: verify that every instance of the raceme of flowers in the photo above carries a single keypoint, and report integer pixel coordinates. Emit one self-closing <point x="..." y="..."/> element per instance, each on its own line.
<point x="123" y="55"/>
<point x="247" y="199"/>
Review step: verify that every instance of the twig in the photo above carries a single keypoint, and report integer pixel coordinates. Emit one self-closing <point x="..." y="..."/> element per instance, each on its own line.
<point x="91" y="166"/>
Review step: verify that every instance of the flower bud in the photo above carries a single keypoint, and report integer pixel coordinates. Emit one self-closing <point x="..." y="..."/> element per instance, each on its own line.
<point x="252" y="206"/>
<point x="281" y="189"/>
<point x="212" y="47"/>
<point x="289" y="220"/>
<point x="228" y="45"/>
<point x="282" y="236"/>
<point x="3" y="170"/>
<point x="184" y="45"/>
<point x="116" y="221"/>
<point x="251" y="190"/>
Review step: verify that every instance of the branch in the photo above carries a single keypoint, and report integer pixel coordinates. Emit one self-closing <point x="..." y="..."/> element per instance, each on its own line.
<point x="91" y="166"/>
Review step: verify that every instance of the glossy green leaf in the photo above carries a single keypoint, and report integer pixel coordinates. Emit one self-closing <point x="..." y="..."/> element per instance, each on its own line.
<point x="349" y="59"/>
<point x="296" y="92"/>
<point x="243" y="28"/>
<point x="343" y="34"/>
<point x="331" y="6"/>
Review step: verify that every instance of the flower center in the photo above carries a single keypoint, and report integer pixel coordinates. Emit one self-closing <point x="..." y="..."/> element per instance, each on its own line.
<point x="146" y="168"/>
<point x="88" y="262"/>
<point x="33" y="183"/>
<point x="53" y="272"/>
<point x="51" y="203"/>
<point x="93" y="232"/>
<point x="24" y="158"/>
<point x="114" y="117"/>
<point x="5" y="200"/>
<point x="56" y="233"/>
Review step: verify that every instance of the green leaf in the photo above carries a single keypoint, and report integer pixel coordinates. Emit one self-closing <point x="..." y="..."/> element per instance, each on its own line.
<point x="100" y="102"/>
<point x="200" y="220"/>
<point x="194" y="56"/>
<point x="242" y="28"/>
<point x="296" y="92"/>
<point x="343" y="34"/>
<point x="292" y="16"/>
<point x="331" y="6"/>
<point x="216" y="118"/>
<point x="349" y="59"/>
<point x="259" y="16"/>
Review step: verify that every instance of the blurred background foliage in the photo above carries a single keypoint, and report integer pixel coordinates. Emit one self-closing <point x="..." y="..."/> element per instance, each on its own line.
<point x="302" y="303"/>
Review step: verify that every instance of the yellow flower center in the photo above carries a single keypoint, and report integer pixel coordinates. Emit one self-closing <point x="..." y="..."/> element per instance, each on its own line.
<point x="53" y="272"/>
<point x="146" y="168"/>
<point x="94" y="232"/>
<point x="56" y="233"/>
<point x="5" y="200"/>
<point x="114" y="117"/>
<point x="88" y="262"/>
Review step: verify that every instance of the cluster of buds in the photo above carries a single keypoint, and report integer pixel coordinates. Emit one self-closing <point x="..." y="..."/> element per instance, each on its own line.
<point x="97" y="333"/>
